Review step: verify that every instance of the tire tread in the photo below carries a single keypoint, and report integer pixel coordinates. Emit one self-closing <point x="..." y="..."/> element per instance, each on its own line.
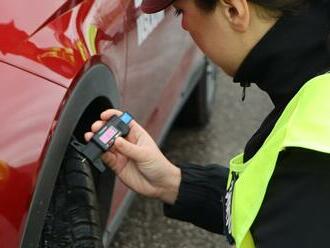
<point x="73" y="215"/>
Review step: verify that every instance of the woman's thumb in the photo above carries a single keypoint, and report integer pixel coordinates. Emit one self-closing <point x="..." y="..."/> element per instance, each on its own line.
<point x="129" y="149"/>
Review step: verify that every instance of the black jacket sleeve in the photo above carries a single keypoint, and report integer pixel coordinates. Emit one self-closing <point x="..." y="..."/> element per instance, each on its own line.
<point x="199" y="198"/>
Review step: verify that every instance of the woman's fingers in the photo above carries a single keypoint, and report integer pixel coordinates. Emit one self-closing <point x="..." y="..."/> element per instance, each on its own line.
<point x="135" y="128"/>
<point x="115" y="161"/>
<point x="88" y="136"/>
<point x="97" y="126"/>
<point x="106" y="115"/>
<point x="111" y="160"/>
<point x="130" y="150"/>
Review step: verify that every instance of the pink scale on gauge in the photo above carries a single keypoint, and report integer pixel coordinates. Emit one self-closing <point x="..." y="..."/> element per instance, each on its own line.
<point x="108" y="135"/>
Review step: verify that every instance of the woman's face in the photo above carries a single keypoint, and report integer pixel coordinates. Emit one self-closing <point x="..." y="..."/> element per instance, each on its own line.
<point x="225" y="35"/>
<point x="208" y="31"/>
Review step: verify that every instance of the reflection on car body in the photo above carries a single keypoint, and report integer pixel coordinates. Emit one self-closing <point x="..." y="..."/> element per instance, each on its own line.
<point x="61" y="65"/>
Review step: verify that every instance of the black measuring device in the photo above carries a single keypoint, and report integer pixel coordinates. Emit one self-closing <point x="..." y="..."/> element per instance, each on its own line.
<point x="116" y="126"/>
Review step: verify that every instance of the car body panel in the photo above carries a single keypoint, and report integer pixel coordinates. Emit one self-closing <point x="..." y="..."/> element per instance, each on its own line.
<point x="24" y="14"/>
<point x="60" y="50"/>
<point x="48" y="49"/>
<point x="152" y="63"/>
<point x="26" y="124"/>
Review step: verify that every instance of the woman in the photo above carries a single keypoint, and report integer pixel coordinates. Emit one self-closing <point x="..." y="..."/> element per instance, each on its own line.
<point x="277" y="194"/>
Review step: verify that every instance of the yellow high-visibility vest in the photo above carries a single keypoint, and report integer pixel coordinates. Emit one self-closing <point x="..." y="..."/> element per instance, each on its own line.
<point x="304" y="123"/>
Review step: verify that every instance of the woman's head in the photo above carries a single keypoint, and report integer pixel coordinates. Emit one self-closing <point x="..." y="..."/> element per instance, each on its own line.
<point x="226" y="30"/>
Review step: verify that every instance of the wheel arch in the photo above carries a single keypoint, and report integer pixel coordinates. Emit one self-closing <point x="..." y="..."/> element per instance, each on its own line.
<point x="74" y="119"/>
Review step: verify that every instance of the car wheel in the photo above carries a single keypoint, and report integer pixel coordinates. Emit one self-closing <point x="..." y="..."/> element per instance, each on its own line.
<point x="198" y="108"/>
<point x="73" y="218"/>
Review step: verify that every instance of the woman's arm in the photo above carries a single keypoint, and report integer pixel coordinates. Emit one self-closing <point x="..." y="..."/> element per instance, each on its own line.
<point x="200" y="196"/>
<point x="193" y="193"/>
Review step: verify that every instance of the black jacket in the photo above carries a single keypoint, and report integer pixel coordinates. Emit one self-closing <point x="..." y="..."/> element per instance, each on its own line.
<point x="295" y="209"/>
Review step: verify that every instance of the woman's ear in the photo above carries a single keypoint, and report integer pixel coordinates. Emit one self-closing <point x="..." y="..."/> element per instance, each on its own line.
<point x="237" y="13"/>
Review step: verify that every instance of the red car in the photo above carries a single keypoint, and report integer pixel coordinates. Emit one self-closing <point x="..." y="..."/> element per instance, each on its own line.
<point x="63" y="62"/>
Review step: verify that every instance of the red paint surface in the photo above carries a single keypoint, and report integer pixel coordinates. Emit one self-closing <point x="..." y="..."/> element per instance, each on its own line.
<point x="60" y="49"/>
<point x="45" y="45"/>
<point x="28" y="108"/>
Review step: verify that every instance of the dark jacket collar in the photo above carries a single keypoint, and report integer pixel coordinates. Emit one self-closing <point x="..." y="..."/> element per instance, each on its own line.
<point x="292" y="52"/>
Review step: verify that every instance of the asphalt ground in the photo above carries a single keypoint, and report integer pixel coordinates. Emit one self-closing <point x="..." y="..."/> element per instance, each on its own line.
<point x="232" y="123"/>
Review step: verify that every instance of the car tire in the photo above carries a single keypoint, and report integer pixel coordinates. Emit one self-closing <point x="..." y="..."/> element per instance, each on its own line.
<point x="73" y="218"/>
<point x="198" y="109"/>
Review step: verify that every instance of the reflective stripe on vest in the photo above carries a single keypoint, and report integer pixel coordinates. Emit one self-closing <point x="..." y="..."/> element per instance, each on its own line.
<point x="305" y="123"/>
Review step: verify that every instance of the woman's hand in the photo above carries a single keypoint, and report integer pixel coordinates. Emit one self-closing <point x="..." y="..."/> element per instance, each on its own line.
<point x="139" y="163"/>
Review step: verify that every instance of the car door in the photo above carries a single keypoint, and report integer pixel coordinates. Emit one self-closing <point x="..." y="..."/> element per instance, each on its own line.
<point x="156" y="46"/>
